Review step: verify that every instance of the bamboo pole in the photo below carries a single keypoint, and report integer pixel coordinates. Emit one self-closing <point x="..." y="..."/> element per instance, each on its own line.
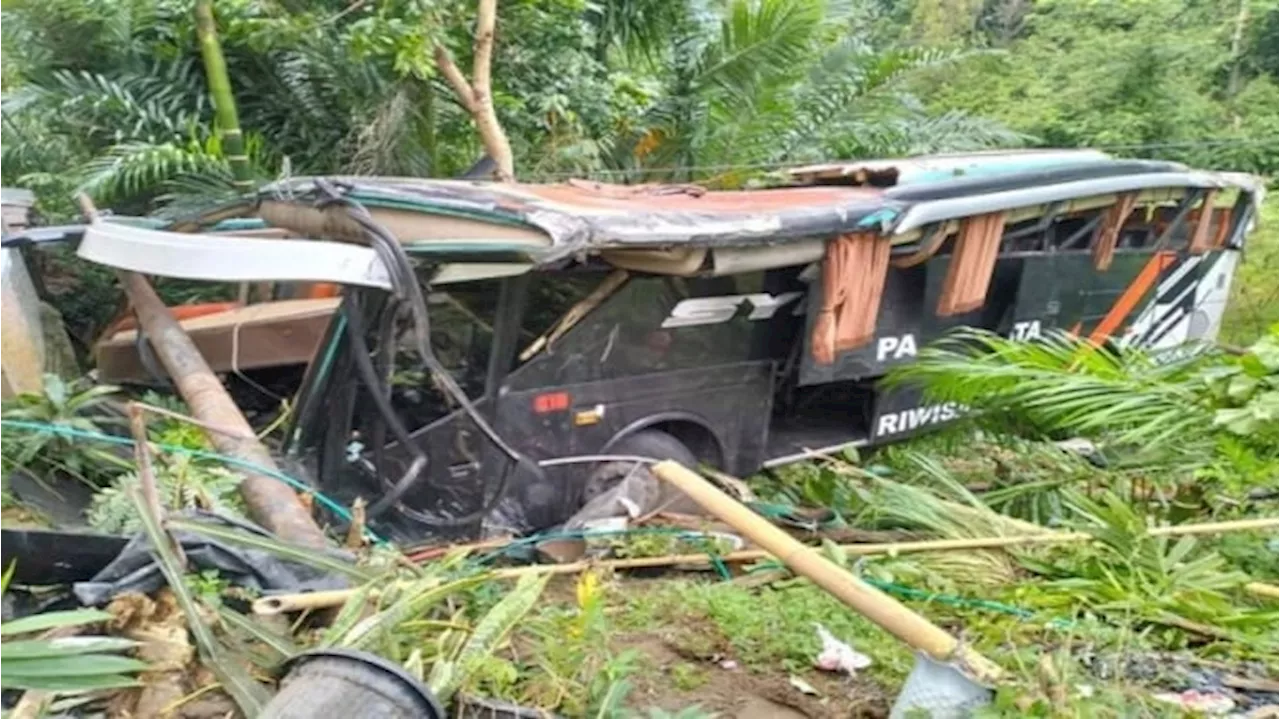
<point x="1263" y="590"/>
<point x="887" y="612"/>
<point x="270" y="502"/>
<point x="224" y="102"/>
<point x="282" y="603"/>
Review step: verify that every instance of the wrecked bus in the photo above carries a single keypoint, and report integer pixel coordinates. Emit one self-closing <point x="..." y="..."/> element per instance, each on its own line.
<point x="501" y="352"/>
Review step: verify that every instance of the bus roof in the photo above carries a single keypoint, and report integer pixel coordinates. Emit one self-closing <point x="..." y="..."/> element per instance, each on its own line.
<point x="667" y="228"/>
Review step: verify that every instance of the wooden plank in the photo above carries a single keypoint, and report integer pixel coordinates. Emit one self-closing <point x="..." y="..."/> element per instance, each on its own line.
<point x="271" y="334"/>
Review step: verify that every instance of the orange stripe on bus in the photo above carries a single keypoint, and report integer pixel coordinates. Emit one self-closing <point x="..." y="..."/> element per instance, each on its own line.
<point x="1133" y="294"/>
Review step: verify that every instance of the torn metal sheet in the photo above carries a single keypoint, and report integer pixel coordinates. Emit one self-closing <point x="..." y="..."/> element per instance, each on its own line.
<point x="230" y="259"/>
<point x="928" y="211"/>
<point x="940" y="168"/>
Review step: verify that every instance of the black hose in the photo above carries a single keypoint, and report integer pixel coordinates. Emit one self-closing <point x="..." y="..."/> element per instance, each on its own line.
<point x="405" y="286"/>
<point x="382" y="402"/>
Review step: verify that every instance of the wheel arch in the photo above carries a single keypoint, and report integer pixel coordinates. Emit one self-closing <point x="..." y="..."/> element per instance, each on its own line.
<point x="693" y="431"/>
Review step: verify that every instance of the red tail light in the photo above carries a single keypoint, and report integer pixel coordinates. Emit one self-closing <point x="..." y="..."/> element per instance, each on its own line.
<point x="551" y="402"/>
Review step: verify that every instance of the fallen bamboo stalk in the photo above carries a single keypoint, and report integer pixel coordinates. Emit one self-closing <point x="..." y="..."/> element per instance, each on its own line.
<point x="1263" y="590"/>
<point x="339" y="597"/>
<point x="888" y="613"/>
<point x="282" y="603"/>
<point x="270" y="502"/>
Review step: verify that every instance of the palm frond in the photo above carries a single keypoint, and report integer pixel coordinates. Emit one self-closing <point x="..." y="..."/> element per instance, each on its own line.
<point x="758" y="40"/>
<point x="1066" y="384"/>
<point x="639" y="26"/>
<point x="134" y="168"/>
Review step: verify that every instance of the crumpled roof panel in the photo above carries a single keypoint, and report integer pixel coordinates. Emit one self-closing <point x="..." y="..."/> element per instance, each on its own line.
<point x="836" y="199"/>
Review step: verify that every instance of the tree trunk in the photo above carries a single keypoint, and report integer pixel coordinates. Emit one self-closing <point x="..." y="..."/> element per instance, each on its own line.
<point x="477" y="96"/>
<point x="1237" y="39"/>
<point x="224" y="103"/>
<point x="429" y="132"/>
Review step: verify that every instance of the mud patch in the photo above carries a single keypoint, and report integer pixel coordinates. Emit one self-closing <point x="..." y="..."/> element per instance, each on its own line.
<point x="686" y="668"/>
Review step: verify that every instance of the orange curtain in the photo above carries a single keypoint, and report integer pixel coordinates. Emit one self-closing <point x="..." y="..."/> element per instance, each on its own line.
<point x="1200" y="239"/>
<point x="972" y="263"/>
<point x="1226" y="217"/>
<point x="1104" y="244"/>
<point x="853" y="275"/>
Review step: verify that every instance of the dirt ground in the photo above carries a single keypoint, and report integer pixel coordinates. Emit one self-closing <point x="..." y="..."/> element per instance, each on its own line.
<point x="728" y="689"/>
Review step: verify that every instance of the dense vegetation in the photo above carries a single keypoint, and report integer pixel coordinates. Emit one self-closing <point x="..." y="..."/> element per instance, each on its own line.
<point x="111" y="96"/>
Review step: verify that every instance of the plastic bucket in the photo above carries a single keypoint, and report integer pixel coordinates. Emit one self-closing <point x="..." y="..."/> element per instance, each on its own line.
<point x="346" y="683"/>
<point x="938" y="691"/>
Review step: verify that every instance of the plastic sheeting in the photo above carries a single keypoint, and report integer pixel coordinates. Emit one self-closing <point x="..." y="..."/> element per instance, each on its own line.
<point x="136" y="570"/>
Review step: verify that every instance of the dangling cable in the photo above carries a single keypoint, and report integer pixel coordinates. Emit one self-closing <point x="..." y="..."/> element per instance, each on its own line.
<point x="417" y="467"/>
<point x="405" y="288"/>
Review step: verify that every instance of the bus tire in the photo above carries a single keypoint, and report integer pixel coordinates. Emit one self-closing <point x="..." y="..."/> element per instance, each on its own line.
<point x="650" y="444"/>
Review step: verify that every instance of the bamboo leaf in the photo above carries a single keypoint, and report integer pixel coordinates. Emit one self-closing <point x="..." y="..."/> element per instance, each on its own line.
<point x="302" y="555"/>
<point x="277" y="643"/>
<point x="65" y="683"/>
<point x="63" y="647"/>
<point x="75" y="666"/>
<point x="448" y="675"/>
<point x="348" y="616"/>
<point x="53" y="620"/>
<point x="410" y="606"/>
<point x="247" y="693"/>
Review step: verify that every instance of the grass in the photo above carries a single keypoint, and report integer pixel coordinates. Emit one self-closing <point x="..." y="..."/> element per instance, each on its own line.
<point x="1255" y="300"/>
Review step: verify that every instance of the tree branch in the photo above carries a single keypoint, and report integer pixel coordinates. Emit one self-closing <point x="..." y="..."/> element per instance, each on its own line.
<point x="482" y="64"/>
<point x="454" y="77"/>
<point x="477" y="96"/>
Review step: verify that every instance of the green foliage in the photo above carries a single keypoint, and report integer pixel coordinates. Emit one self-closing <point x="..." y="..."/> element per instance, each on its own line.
<point x="235" y="679"/>
<point x="183" y="483"/>
<point x="1065" y="384"/>
<point x="1246" y="391"/>
<point x="1154" y="79"/>
<point x="450" y="673"/>
<point x="76" y="405"/>
<point x="1255" y="297"/>
<point x="1130" y="574"/>
<point x="111" y="99"/>
<point x="64" y="665"/>
<point x="565" y="663"/>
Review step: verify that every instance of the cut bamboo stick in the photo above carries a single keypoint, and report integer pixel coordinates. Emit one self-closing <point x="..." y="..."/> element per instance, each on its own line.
<point x="339" y="597"/>
<point x="281" y="603"/>
<point x="887" y="612"/>
<point x="1263" y="590"/>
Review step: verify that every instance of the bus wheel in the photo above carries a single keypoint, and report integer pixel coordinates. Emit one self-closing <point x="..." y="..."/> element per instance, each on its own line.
<point x="644" y="490"/>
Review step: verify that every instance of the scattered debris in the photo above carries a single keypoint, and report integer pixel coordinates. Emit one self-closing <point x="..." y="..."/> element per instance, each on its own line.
<point x="942" y="691"/>
<point x="1209" y="703"/>
<point x="836" y="656"/>
<point x="136" y="571"/>
<point x="803" y="686"/>
<point x="1251" y="684"/>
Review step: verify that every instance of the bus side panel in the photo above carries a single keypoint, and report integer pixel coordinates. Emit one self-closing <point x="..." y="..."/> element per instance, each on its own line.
<point x="1152" y="300"/>
<point x="1187" y="304"/>
<point x="908" y="320"/>
<point x="733" y="402"/>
